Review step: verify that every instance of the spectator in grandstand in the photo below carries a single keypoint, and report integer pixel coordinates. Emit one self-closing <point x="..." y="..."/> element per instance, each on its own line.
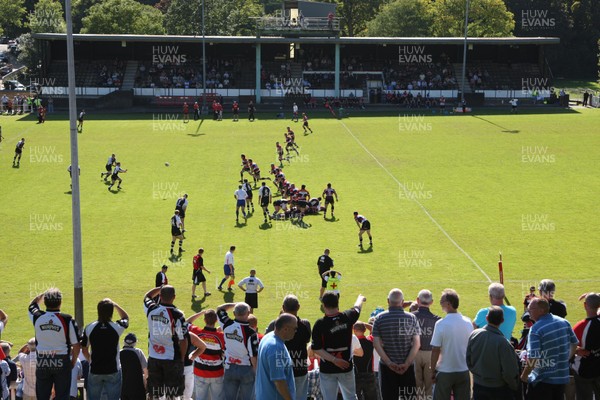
<point x="58" y="346"/>
<point x="297" y="346"/>
<point x="547" y="288"/>
<point x="492" y="360"/>
<point x="496" y="293"/>
<point x="427" y="322"/>
<point x="166" y="343"/>
<point x="366" y="384"/>
<point x="396" y="336"/>
<point x="241" y="350"/>
<point x="587" y="357"/>
<point x="103" y="336"/>
<point x="252" y="286"/>
<point x="325" y="263"/>
<point x="332" y="342"/>
<point x="450" y="339"/>
<point x="3" y="321"/>
<point x="27" y="359"/>
<point x="134" y="370"/>
<point x="208" y="367"/>
<point x="274" y="373"/>
<point x="552" y="343"/>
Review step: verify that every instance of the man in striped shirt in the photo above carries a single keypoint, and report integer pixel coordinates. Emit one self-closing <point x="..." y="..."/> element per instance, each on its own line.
<point x="208" y="368"/>
<point x="552" y="343"/>
<point x="397" y="341"/>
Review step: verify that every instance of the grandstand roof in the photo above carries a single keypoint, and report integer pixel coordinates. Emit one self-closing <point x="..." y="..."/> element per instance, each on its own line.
<point x="501" y="41"/>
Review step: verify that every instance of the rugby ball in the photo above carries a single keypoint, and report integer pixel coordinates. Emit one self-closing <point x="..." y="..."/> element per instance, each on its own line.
<point x="167" y="164"/>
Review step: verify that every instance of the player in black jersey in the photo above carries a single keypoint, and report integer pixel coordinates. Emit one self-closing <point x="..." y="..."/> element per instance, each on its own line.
<point x="176" y="233"/>
<point x="305" y="123"/>
<point x="19" y="152"/>
<point x="115" y="176"/>
<point x="328" y="193"/>
<point x="248" y="189"/>
<point x="264" y="196"/>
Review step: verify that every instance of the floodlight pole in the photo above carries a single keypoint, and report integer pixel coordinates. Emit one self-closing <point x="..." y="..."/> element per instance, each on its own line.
<point x="464" y="66"/>
<point x="75" y="197"/>
<point x="203" y="63"/>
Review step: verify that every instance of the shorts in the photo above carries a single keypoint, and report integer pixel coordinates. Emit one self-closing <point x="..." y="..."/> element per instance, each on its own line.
<point x="175" y="231"/>
<point x="80" y="120"/>
<point x="264" y="202"/>
<point x="108" y="167"/>
<point x="115" y="178"/>
<point x="227" y="270"/>
<point x="165" y="375"/>
<point x="18" y="151"/>
<point x="277" y="203"/>
<point x="305" y="123"/>
<point x="181" y="213"/>
<point x="241" y="203"/>
<point x="323" y="283"/>
<point x="329" y="200"/>
<point x="366" y="225"/>
<point x="302" y="203"/>
<point x="252" y="299"/>
<point x="249" y="196"/>
<point x="198" y="277"/>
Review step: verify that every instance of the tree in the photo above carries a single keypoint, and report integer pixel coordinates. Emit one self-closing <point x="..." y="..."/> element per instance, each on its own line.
<point x="11" y="16"/>
<point x="402" y="18"/>
<point x="487" y="18"/>
<point x="123" y="16"/>
<point x="30" y="54"/>
<point x="354" y="14"/>
<point x="47" y="17"/>
<point x="232" y="17"/>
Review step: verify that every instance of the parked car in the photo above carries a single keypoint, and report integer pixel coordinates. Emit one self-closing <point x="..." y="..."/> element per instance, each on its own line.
<point x="6" y="69"/>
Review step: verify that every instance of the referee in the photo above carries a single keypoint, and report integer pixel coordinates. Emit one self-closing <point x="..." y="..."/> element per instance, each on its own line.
<point x="325" y="263"/>
<point x="57" y="338"/>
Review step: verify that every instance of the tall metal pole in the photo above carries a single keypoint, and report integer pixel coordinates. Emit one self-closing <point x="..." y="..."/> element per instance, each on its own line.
<point x="75" y="197"/>
<point x="203" y="64"/>
<point x="464" y="66"/>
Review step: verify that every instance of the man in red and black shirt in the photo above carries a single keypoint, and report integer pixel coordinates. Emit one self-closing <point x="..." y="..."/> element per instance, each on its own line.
<point x="587" y="357"/>
<point x="366" y="385"/>
<point x="198" y="276"/>
<point x="332" y="341"/>
<point x="208" y="368"/>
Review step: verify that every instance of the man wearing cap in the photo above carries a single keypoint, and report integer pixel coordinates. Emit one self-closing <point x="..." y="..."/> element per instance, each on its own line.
<point x="57" y="338"/>
<point x="396" y="336"/>
<point x="492" y="360"/>
<point x="134" y="370"/>
<point x="27" y="358"/>
<point x="547" y="289"/>
<point x="427" y="322"/>
<point x="587" y="358"/>
<point x="166" y="343"/>
<point x="552" y="343"/>
<point x="496" y="292"/>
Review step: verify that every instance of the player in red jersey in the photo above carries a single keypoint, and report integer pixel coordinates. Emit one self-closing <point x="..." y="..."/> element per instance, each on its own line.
<point x="236" y="111"/>
<point x="305" y="123"/>
<point x="186" y="113"/>
<point x="198" y="274"/>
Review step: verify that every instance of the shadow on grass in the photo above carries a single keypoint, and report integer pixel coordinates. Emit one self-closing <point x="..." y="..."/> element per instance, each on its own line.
<point x="332" y="219"/>
<point x="362" y="250"/>
<point x="505" y="130"/>
<point x="265" y="226"/>
<point x="198" y="303"/>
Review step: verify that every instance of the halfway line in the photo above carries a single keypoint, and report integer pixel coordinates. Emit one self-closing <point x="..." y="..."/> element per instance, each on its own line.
<point x="418" y="203"/>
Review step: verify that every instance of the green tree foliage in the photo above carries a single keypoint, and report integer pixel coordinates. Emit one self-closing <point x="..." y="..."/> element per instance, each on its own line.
<point x="30" y="54"/>
<point x="402" y="18"/>
<point x="47" y="17"/>
<point x="12" y="13"/>
<point x="232" y="17"/>
<point x="487" y="18"/>
<point x="123" y="16"/>
<point x="354" y="14"/>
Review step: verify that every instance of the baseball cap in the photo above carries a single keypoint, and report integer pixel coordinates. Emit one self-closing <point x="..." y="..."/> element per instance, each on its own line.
<point x="425" y="296"/>
<point x="130" y="339"/>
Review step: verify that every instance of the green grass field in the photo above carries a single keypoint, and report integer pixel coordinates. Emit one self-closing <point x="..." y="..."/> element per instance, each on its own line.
<point x="443" y="193"/>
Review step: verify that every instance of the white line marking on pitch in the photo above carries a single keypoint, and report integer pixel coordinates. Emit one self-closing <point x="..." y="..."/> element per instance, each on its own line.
<point x="418" y="203"/>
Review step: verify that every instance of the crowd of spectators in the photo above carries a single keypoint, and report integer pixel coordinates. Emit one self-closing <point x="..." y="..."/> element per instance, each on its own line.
<point x="220" y="74"/>
<point x="111" y="75"/>
<point x="407" y="351"/>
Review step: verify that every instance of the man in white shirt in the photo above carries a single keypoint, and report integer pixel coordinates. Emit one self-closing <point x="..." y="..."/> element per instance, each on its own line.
<point x="27" y="358"/>
<point x="228" y="269"/>
<point x="253" y="287"/>
<point x="450" y="339"/>
<point x="240" y="197"/>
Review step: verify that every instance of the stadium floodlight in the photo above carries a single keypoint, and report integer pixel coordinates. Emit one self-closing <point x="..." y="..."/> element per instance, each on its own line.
<point x="75" y="194"/>
<point x="464" y="66"/>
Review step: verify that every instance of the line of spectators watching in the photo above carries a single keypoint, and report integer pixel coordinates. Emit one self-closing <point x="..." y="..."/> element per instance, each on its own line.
<point x="111" y="75"/>
<point x="410" y="354"/>
<point x="220" y="74"/>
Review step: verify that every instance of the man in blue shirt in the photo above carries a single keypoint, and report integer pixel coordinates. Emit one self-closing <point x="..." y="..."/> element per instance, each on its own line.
<point x="275" y="374"/>
<point x="496" y="292"/>
<point x="552" y="343"/>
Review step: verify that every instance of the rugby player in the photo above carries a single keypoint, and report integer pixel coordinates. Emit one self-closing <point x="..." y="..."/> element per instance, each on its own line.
<point x="265" y="198"/>
<point x="110" y="163"/>
<point x="115" y="176"/>
<point x="248" y="189"/>
<point x="305" y="123"/>
<point x="329" y="193"/>
<point x="364" y="226"/>
<point x="176" y="231"/>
